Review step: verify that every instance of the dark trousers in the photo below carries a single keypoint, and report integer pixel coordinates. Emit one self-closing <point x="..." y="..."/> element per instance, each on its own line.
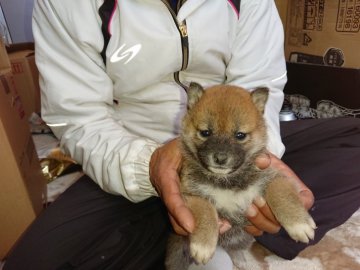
<point x="87" y="228"/>
<point x="325" y="154"/>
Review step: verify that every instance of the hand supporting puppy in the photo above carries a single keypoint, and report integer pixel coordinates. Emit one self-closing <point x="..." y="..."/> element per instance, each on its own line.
<point x="164" y="167"/>
<point x="259" y="213"/>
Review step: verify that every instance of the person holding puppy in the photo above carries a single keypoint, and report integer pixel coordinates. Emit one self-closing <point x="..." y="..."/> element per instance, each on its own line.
<point x="113" y="80"/>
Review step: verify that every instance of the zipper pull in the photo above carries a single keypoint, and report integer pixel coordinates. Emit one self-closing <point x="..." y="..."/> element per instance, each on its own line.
<point x="183" y="29"/>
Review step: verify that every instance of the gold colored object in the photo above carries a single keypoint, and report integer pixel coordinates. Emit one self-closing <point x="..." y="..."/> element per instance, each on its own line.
<point x="55" y="164"/>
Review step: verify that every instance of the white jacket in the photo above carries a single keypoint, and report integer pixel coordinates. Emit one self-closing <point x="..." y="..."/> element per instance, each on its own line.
<point x="111" y="119"/>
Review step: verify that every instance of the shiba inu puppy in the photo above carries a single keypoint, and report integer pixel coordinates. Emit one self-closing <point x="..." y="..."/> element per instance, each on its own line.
<point x="222" y="134"/>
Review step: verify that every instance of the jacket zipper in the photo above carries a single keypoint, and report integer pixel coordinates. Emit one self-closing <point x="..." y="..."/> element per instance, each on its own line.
<point x="184" y="43"/>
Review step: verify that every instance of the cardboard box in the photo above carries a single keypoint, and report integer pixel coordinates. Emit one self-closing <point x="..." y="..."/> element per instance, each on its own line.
<point x="4" y="60"/>
<point x="26" y="75"/>
<point x="23" y="187"/>
<point x="324" y="32"/>
<point x="282" y="6"/>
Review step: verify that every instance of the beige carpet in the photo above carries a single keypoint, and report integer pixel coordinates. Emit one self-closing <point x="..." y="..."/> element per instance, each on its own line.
<point x="338" y="250"/>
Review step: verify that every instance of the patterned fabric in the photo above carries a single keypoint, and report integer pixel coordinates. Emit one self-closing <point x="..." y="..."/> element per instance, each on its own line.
<point x="324" y="108"/>
<point x="338" y="250"/>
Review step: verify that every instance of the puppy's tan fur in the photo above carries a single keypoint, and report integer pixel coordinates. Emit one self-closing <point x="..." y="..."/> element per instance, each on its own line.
<point x="222" y="134"/>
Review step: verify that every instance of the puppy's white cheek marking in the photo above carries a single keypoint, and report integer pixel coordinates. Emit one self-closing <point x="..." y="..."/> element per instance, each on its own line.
<point x="232" y="201"/>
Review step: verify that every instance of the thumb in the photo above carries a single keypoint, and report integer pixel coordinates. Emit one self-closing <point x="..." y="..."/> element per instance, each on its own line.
<point x="177" y="207"/>
<point x="183" y="218"/>
<point x="263" y="161"/>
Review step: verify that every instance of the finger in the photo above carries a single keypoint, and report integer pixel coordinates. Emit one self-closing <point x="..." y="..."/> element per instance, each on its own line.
<point x="260" y="221"/>
<point x="224" y="226"/>
<point x="277" y="163"/>
<point x="264" y="208"/>
<point x="181" y="214"/>
<point x="263" y="161"/>
<point x="177" y="208"/>
<point x="251" y="229"/>
<point x="305" y="194"/>
<point x="177" y="228"/>
<point x="307" y="198"/>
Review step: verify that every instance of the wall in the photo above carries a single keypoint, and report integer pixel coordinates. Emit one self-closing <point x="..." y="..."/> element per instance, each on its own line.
<point x="18" y="18"/>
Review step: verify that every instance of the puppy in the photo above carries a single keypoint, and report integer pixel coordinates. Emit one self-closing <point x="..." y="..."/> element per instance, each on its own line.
<point x="222" y="134"/>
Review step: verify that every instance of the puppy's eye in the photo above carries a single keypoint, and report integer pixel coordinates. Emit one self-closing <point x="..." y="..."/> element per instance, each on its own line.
<point x="240" y="136"/>
<point x="205" y="133"/>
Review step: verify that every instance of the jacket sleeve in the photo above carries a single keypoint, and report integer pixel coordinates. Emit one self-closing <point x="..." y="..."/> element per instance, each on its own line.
<point x="258" y="60"/>
<point x="77" y="99"/>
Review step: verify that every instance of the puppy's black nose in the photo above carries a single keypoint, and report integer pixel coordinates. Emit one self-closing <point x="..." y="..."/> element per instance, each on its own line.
<point x="220" y="158"/>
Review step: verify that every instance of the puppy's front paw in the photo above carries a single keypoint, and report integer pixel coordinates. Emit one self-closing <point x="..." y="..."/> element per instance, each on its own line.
<point x="302" y="231"/>
<point x="201" y="252"/>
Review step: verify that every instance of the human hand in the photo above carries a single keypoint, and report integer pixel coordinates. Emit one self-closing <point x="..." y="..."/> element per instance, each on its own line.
<point x="259" y="213"/>
<point x="165" y="164"/>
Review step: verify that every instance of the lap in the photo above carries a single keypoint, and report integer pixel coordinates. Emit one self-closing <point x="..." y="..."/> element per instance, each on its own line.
<point x="325" y="155"/>
<point x="87" y="228"/>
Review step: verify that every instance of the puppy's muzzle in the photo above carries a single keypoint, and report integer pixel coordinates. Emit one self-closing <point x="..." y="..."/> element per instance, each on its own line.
<point x="220" y="158"/>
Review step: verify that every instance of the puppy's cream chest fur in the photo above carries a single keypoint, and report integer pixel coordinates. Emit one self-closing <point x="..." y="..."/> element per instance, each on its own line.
<point x="232" y="202"/>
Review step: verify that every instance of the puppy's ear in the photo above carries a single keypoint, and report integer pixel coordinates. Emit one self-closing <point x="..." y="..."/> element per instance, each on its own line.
<point x="259" y="96"/>
<point x="194" y="92"/>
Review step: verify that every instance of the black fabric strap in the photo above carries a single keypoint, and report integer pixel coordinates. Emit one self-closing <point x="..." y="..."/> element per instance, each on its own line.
<point x="105" y="12"/>
<point x="236" y="3"/>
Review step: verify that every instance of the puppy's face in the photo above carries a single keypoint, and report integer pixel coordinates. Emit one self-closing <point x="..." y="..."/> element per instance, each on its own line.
<point x="224" y="127"/>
